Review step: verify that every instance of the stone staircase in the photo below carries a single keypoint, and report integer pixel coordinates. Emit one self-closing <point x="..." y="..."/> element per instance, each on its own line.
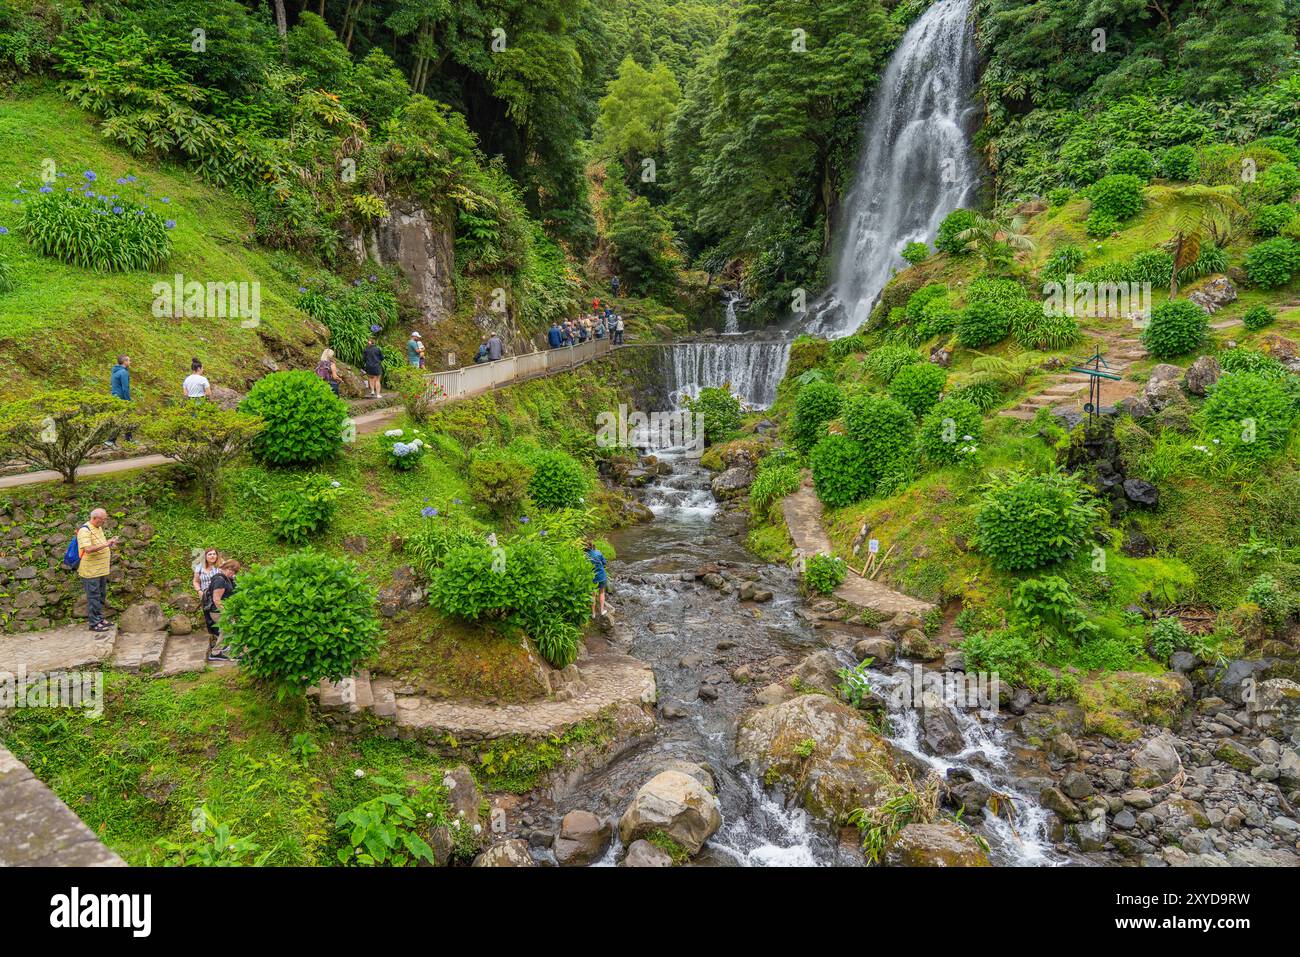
<point x="157" y="652"/>
<point x="1071" y="388"/>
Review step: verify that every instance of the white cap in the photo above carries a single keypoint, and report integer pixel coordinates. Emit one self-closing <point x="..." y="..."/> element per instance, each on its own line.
<point x="415" y="335"/>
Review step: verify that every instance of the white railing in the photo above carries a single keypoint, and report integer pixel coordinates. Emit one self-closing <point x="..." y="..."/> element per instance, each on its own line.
<point x="485" y="376"/>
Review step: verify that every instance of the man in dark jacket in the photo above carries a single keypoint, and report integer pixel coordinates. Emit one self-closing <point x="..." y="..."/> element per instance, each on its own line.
<point x="495" y="349"/>
<point x="372" y="360"/>
<point x="119" y="383"/>
<point x="554" y="338"/>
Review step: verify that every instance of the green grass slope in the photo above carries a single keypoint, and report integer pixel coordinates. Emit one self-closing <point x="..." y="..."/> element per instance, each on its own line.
<point x="63" y="326"/>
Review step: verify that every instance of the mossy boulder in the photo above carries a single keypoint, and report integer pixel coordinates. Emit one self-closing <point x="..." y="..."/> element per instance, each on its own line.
<point x="942" y="844"/>
<point x="1120" y="703"/>
<point x="822" y="752"/>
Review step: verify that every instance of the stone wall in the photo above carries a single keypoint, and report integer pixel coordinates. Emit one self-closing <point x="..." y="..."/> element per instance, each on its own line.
<point x="39" y="830"/>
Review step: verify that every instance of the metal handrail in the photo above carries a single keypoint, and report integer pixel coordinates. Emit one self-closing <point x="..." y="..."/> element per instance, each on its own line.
<point x="486" y="376"/>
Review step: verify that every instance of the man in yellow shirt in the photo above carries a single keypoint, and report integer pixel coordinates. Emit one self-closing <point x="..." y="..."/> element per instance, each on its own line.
<point x="95" y="552"/>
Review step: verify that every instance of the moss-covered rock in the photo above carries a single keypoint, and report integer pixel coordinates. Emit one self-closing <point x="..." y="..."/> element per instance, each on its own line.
<point x="942" y="844"/>
<point x="1118" y="704"/>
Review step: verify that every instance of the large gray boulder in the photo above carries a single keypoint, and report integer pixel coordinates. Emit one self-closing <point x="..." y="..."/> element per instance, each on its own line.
<point x="732" y="483"/>
<point x="141" y="618"/>
<point x="940" y="732"/>
<point x="825" y="753"/>
<point x="676" y="804"/>
<point x="582" y="839"/>
<point x="1215" y="294"/>
<point x="513" y="853"/>
<point x="1201" y="375"/>
<point x="1155" y="763"/>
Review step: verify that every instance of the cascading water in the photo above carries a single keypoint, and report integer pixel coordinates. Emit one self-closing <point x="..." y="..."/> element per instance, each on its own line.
<point x="915" y="164"/>
<point x="731" y="326"/>
<point x="752" y="368"/>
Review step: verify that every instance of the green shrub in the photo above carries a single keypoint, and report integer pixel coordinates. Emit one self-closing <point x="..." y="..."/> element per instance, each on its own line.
<point x="721" y="412"/>
<point x="914" y="253"/>
<point x="1249" y="414"/>
<point x="1277" y="184"/>
<point x="822" y="574"/>
<point x="918" y="386"/>
<point x="882" y="364"/>
<point x="885" y="429"/>
<point x="1099" y="225"/>
<point x="1265" y="592"/>
<point x="1179" y="163"/>
<point x="938" y="318"/>
<point x="1269" y="220"/>
<point x="843" y="348"/>
<point x="1029" y="521"/>
<point x="1118" y="196"/>
<point x="1271" y="263"/>
<point x="983" y="393"/>
<point x="1059" y="196"/>
<point x="815" y="405"/>
<point x="402" y="451"/>
<point x="348" y="310"/>
<point x="1154" y="266"/>
<point x="1167" y="635"/>
<point x="302" y="511"/>
<point x="1005" y="292"/>
<point x="953" y="225"/>
<point x="950" y="431"/>
<point x="499" y="480"/>
<point x="1210" y="259"/>
<point x="559" y="480"/>
<point x="1048" y="603"/>
<point x="771" y="485"/>
<point x="1032" y="328"/>
<point x="1009" y="653"/>
<point x="96" y="232"/>
<point x="304" y="418"/>
<point x="983" y="323"/>
<point x="1176" y="328"/>
<point x="917" y="302"/>
<point x="305" y="617"/>
<point x="1248" y="360"/>
<point x="1257" y="317"/>
<point x="840" y="470"/>
<point x="1133" y="161"/>
<point x="1061" y="263"/>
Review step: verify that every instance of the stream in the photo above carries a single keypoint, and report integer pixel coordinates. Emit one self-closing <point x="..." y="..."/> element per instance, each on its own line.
<point x="694" y="637"/>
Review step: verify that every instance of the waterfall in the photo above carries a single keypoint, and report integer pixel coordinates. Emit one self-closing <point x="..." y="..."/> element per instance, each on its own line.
<point x="732" y="325"/>
<point x="914" y="165"/>
<point x="751" y="369"/>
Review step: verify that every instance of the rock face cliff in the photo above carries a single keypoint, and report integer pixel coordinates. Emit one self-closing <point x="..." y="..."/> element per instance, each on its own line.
<point x="421" y="245"/>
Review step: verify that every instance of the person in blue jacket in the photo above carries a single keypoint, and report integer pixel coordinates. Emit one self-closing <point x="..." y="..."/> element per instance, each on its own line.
<point x="119" y="383"/>
<point x="554" y="338"/>
<point x="599" y="576"/>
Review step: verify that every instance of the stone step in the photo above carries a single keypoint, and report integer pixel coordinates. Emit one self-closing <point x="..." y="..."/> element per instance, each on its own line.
<point x="1065" y="388"/>
<point x="140" y="652"/>
<point x="352" y="694"/>
<point x="184" y="654"/>
<point x="1018" y="413"/>
<point x="1038" y="401"/>
<point x="385" y="705"/>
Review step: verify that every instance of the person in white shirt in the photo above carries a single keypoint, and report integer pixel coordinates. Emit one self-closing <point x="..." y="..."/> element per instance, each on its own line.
<point x="196" y="384"/>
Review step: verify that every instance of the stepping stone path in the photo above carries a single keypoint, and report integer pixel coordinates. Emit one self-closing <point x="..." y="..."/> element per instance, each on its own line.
<point x="1071" y="388"/>
<point x="595" y="685"/>
<point x="803" y="517"/>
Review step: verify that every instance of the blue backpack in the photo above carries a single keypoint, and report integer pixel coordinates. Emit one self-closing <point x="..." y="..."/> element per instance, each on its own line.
<point x="72" y="557"/>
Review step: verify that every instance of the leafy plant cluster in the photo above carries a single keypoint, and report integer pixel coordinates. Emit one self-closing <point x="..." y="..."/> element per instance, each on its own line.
<point x="103" y="231"/>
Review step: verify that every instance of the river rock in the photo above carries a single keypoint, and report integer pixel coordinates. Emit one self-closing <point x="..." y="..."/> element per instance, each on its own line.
<point x="645" y="854"/>
<point x="903" y="621"/>
<point x="582" y="839"/>
<point x="179" y="625"/>
<point x="675" y="803"/>
<point x="848" y="765"/>
<point x="1055" y="800"/>
<point x="819" y="672"/>
<point x="1155" y="763"/>
<point x="732" y="483"/>
<point x="142" y="618"/>
<point x="1201" y="375"/>
<point x="512" y="853"/>
<point x="916" y="644"/>
<point x="463" y="794"/>
<point x="941" y="844"/>
<point x="880" y="650"/>
<point x="1091" y="835"/>
<point x="939" y="730"/>
<point x="749" y="591"/>
<point x="1288" y="770"/>
<point x="700" y="772"/>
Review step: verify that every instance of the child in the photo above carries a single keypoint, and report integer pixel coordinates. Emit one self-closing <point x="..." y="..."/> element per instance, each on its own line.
<point x="599" y="576"/>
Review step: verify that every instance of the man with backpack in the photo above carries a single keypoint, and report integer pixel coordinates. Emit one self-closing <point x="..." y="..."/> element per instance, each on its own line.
<point x="91" y="560"/>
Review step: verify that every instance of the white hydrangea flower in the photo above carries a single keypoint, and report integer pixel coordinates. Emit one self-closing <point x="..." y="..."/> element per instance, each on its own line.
<point x="393" y="433"/>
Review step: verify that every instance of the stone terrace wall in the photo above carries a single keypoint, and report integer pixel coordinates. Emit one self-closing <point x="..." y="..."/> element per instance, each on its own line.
<point x="39" y="830"/>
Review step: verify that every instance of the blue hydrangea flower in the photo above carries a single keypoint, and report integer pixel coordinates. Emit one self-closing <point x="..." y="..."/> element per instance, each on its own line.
<point x="524" y="520"/>
<point x="428" y="512"/>
<point x="302" y="288"/>
<point x="90" y="176"/>
<point x="4" y="231"/>
<point x="118" y="210"/>
<point x="47" y="189"/>
<point x="170" y="224"/>
<point x="165" y="199"/>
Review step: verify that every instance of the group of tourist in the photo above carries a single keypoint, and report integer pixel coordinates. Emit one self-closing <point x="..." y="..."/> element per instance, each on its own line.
<point x="214" y="579"/>
<point x="490" y="349"/>
<point x="585" y="328"/>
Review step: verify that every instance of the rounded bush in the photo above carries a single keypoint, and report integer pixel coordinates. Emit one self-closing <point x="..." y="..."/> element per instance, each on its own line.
<point x="951" y="431"/>
<point x="305" y="617"/>
<point x="721" y="412"/>
<point x="1134" y="161"/>
<point x="1179" y="163"/>
<point x="1154" y="266"/>
<point x="923" y="297"/>
<point x="983" y="323"/>
<point x="1271" y="263"/>
<point x="919" y="386"/>
<point x="886" y="431"/>
<point x="914" y="253"/>
<point x="1061" y="263"/>
<point x="938" y="318"/>
<point x="1028" y="521"/>
<point x="823" y="574"/>
<point x="815" y="405"/>
<point x="1099" y="225"/>
<point x="841" y="472"/>
<point x="1269" y="220"/>
<point x="1248" y="360"/>
<point x="304" y="419"/>
<point x="1176" y="328"/>
<point x="953" y="225"/>
<point x="1250" y="414"/>
<point x="500" y="481"/>
<point x="559" y="480"/>
<point x="1277" y="184"/>
<point x="1118" y="196"/>
<point x="1059" y="196"/>
<point x="1257" y="317"/>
